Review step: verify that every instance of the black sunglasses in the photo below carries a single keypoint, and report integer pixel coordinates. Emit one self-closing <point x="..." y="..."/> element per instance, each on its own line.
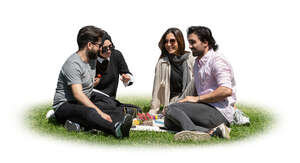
<point x="172" y="41"/>
<point x="106" y="48"/>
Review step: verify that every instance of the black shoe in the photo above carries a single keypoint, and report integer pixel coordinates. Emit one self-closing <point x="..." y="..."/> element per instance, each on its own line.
<point x="122" y="128"/>
<point x="72" y="126"/>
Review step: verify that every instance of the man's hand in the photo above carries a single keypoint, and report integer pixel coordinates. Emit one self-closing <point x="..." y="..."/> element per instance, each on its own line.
<point x="106" y="117"/>
<point x="125" y="78"/>
<point x="190" y="99"/>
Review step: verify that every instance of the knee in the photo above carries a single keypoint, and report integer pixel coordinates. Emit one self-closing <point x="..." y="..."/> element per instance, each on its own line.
<point x="169" y="109"/>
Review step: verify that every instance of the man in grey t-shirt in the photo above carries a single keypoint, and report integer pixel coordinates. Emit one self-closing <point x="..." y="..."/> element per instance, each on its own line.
<point x="74" y="71"/>
<point x="74" y="99"/>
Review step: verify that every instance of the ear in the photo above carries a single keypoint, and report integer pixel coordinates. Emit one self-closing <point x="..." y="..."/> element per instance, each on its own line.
<point x="205" y="43"/>
<point x="89" y="45"/>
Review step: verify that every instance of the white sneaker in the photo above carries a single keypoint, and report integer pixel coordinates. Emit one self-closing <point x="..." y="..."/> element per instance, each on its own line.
<point x="191" y="135"/>
<point x="222" y="131"/>
<point x="240" y="118"/>
<point x="50" y="114"/>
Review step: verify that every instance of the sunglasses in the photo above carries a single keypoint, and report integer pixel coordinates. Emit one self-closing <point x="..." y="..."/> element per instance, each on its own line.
<point x="99" y="45"/>
<point x="106" y="48"/>
<point x="172" y="41"/>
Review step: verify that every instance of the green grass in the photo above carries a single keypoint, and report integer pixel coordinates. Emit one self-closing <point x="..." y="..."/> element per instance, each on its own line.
<point x="261" y="121"/>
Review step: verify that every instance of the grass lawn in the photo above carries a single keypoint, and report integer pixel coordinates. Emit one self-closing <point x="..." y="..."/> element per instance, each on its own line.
<point x="261" y="121"/>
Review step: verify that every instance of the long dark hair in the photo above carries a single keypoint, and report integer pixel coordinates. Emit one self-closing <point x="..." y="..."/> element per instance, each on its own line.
<point x="204" y="34"/>
<point x="179" y="38"/>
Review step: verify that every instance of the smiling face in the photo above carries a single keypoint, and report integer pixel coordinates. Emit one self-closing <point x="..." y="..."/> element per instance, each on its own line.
<point x="171" y="43"/>
<point x="105" y="50"/>
<point x="198" y="47"/>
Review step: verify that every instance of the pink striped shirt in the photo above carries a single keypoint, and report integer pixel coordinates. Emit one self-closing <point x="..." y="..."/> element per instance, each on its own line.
<point x="211" y="72"/>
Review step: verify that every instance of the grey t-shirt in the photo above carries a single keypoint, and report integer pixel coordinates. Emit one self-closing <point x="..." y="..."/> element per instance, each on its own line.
<point x="74" y="71"/>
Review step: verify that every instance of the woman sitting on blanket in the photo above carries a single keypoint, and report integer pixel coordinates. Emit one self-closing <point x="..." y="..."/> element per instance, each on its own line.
<point x="173" y="71"/>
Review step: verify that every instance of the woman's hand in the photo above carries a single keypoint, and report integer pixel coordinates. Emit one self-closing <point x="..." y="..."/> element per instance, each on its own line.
<point x="125" y="78"/>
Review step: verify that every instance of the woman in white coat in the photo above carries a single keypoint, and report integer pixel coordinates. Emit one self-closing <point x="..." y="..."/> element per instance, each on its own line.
<point x="173" y="71"/>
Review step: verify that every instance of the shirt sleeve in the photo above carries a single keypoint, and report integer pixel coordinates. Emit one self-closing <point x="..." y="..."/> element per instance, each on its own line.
<point x="72" y="73"/>
<point x="222" y="72"/>
<point x="123" y="68"/>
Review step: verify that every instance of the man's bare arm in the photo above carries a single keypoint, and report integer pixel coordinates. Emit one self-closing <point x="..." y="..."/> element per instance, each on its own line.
<point x="217" y="95"/>
<point x="83" y="99"/>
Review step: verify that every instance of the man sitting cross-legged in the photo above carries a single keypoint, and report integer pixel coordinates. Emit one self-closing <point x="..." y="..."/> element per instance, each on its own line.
<point x="74" y="99"/>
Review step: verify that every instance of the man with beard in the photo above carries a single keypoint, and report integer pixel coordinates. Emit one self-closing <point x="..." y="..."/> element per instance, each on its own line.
<point x="211" y="112"/>
<point x="74" y="100"/>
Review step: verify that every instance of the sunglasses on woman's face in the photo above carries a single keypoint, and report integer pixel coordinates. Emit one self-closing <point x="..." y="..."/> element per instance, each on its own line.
<point x="106" y="48"/>
<point x="172" y="41"/>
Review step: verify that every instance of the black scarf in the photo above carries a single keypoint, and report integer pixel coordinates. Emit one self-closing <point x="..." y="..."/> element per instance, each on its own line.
<point x="180" y="62"/>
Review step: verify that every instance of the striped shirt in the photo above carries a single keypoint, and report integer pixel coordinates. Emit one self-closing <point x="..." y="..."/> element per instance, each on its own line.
<point x="211" y="72"/>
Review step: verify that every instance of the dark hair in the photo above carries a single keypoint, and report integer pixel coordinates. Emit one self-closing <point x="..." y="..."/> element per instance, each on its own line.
<point x="179" y="38"/>
<point x="88" y="34"/>
<point x="204" y="34"/>
<point x="106" y="36"/>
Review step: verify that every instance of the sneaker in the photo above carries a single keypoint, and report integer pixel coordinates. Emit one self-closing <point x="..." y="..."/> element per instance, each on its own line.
<point x="50" y="114"/>
<point x="122" y="128"/>
<point x="191" y="135"/>
<point x="240" y="118"/>
<point x="222" y="131"/>
<point x="72" y="126"/>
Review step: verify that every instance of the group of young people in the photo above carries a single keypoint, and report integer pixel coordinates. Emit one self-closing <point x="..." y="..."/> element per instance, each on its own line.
<point x="196" y="89"/>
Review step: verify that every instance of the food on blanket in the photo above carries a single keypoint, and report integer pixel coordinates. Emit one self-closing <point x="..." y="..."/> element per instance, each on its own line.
<point x="146" y="119"/>
<point x="148" y="122"/>
<point x="141" y="116"/>
<point x="158" y="123"/>
<point x="136" y="122"/>
<point x="148" y="116"/>
<point x="154" y="117"/>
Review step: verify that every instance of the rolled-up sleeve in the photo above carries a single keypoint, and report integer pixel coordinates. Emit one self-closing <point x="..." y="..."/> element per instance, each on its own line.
<point x="222" y="72"/>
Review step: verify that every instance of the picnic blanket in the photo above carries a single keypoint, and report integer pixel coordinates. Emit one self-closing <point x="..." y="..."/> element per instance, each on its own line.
<point x="156" y="125"/>
<point x="147" y="128"/>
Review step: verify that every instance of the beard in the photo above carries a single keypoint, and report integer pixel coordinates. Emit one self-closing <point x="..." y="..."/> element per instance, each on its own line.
<point x="92" y="55"/>
<point x="198" y="53"/>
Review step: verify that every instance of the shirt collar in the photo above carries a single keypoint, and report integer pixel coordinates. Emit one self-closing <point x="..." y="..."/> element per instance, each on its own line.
<point x="99" y="59"/>
<point x="206" y="57"/>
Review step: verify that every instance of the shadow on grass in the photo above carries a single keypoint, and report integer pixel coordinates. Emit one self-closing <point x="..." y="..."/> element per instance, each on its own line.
<point x="261" y="121"/>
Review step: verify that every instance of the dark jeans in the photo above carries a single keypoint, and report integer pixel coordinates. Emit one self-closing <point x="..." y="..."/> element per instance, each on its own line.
<point x="89" y="117"/>
<point x="193" y="116"/>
